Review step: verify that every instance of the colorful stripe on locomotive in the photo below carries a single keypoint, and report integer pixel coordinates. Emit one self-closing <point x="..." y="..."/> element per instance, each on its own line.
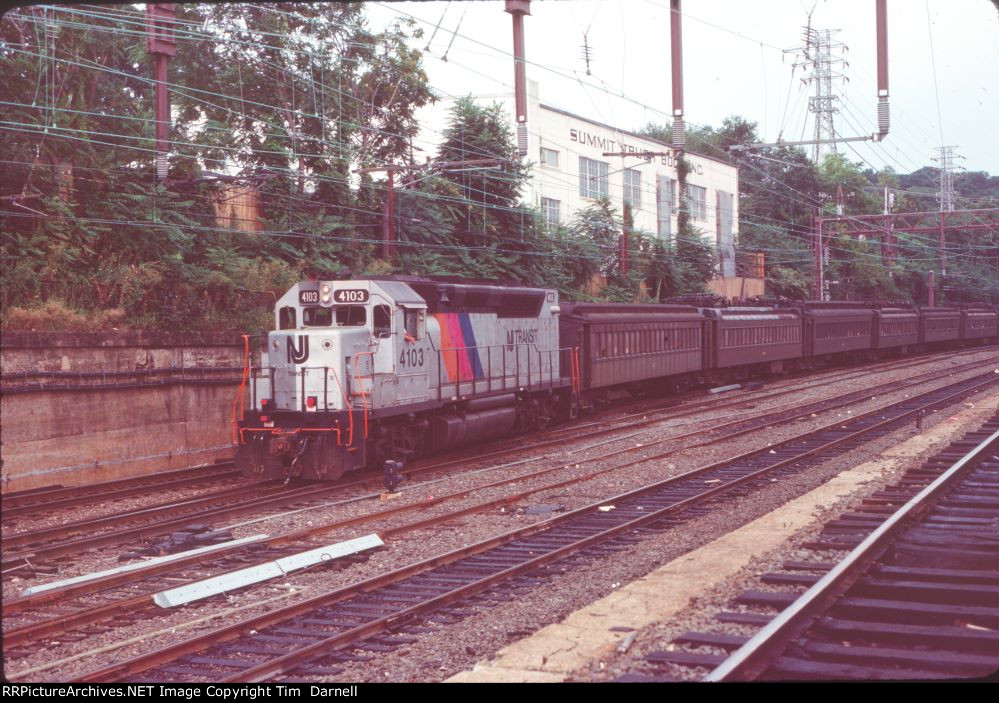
<point x="460" y="350"/>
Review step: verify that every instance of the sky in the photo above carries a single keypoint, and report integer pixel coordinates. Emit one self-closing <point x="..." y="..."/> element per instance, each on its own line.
<point x="943" y="67"/>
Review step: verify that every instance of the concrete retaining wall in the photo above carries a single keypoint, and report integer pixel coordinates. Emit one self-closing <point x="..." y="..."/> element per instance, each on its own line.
<point x="159" y="421"/>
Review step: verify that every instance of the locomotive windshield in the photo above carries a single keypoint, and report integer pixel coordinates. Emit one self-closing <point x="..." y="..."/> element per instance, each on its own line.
<point x="317" y="317"/>
<point x="351" y="316"/>
<point x="345" y="316"/>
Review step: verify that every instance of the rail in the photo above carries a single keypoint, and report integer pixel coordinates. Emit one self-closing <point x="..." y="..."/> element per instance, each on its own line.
<point x="754" y="653"/>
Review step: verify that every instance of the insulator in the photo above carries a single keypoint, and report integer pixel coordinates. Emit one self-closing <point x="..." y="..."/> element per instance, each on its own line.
<point x="884" y="116"/>
<point x="679" y="134"/>
<point x="162" y="166"/>
<point x="522" y="138"/>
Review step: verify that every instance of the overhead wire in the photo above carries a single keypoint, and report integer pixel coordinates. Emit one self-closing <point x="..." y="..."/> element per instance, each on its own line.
<point x="604" y="87"/>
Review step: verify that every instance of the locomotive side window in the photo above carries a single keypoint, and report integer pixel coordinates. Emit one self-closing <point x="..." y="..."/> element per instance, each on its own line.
<point x="286" y="318"/>
<point x="317" y="317"/>
<point x="383" y="321"/>
<point x="411" y="321"/>
<point x="351" y="316"/>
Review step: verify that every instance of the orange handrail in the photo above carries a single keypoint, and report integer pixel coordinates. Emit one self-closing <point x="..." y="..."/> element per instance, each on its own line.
<point x="574" y="369"/>
<point x="349" y="409"/>
<point x="360" y="385"/>
<point x="241" y="398"/>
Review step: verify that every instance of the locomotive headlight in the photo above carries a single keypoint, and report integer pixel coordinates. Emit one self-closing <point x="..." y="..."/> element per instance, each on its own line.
<point x="325" y="288"/>
<point x="326" y="292"/>
<point x="326" y="297"/>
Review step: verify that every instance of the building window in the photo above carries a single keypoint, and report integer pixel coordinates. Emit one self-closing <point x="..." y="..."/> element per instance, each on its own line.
<point x="549" y="157"/>
<point x="633" y="187"/>
<point x="592" y="178"/>
<point x="552" y="211"/>
<point x="672" y="193"/>
<point x="697" y="202"/>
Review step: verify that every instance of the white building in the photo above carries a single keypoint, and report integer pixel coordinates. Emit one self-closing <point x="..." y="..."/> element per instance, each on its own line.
<point x="571" y="170"/>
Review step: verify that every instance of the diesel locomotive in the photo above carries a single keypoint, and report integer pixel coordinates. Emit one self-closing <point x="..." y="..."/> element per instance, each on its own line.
<point x="362" y="372"/>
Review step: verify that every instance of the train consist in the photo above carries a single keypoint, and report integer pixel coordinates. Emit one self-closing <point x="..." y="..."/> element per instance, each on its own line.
<point x="362" y="372"/>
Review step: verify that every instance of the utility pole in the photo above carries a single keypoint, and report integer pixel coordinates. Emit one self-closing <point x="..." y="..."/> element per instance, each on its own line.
<point x="623" y="242"/>
<point x="945" y="197"/>
<point x="945" y="180"/>
<point x="160" y="44"/>
<point x="819" y="274"/>
<point x="817" y="58"/>
<point x="519" y="8"/>
<point x="881" y="27"/>
<point x="821" y="102"/>
<point x="389" y="237"/>
<point x="676" y="62"/>
<point x="888" y="240"/>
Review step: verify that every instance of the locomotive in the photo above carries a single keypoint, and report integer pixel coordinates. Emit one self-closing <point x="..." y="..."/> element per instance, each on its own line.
<point x="363" y="372"/>
<point x="360" y="372"/>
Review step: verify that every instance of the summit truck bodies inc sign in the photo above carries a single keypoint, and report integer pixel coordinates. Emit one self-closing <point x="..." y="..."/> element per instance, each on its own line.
<point x="609" y="144"/>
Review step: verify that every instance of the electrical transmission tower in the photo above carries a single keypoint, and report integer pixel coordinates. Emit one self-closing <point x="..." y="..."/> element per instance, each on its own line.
<point x="819" y="58"/>
<point x="945" y="195"/>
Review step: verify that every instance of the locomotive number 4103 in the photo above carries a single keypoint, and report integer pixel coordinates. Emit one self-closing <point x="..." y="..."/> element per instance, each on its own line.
<point x="351" y="295"/>
<point x="411" y="357"/>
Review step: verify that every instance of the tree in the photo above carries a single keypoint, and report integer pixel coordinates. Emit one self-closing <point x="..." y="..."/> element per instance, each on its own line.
<point x="280" y="100"/>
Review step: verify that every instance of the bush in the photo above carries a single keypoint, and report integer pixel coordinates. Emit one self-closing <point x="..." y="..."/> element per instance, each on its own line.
<point x="57" y="316"/>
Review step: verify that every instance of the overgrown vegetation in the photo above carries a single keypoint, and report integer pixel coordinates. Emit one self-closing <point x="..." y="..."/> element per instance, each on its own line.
<point x="780" y="190"/>
<point x="277" y="114"/>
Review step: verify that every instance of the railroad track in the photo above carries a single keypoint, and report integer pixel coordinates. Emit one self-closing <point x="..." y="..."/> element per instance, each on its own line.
<point x="916" y="597"/>
<point x="559" y="436"/>
<point x="37" y="549"/>
<point x="56" y="497"/>
<point x="128" y="597"/>
<point x="312" y="637"/>
<point x="44" y="544"/>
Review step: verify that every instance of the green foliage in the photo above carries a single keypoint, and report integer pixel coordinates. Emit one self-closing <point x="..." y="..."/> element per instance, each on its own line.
<point x="286" y="103"/>
<point x="598" y="225"/>
<point x="282" y="104"/>
<point x="781" y="190"/>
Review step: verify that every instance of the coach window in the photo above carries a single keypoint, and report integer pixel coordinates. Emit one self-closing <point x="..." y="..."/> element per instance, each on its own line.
<point x="383" y="321"/>
<point x="351" y="316"/>
<point x="286" y="318"/>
